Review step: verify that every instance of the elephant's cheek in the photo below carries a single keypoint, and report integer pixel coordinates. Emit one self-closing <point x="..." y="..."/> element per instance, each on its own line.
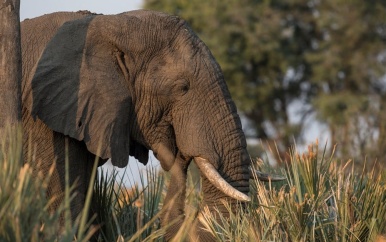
<point x="165" y="155"/>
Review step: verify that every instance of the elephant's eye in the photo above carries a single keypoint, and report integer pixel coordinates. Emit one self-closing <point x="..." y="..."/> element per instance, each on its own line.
<point x="185" y="88"/>
<point x="181" y="87"/>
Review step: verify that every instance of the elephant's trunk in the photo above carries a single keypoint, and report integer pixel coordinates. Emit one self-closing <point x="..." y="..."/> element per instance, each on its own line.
<point x="225" y="171"/>
<point x="235" y="174"/>
<point x="174" y="204"/>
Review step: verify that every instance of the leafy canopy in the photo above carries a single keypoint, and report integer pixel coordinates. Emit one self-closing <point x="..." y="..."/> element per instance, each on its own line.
<point x="287" y="61"/>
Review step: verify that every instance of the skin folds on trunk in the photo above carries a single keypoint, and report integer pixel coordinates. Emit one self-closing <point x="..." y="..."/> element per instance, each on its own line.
<point x="213" y="196"/>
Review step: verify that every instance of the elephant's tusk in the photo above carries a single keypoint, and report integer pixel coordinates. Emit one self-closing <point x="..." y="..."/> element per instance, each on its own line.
<point x="214" y="177"/>
<point x="264" y="176"/>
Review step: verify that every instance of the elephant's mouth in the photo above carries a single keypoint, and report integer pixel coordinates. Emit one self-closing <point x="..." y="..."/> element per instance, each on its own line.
<point x="218" y="181"/>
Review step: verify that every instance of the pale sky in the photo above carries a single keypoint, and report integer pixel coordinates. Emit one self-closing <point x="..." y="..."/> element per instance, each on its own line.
<point x="35" y="8"/>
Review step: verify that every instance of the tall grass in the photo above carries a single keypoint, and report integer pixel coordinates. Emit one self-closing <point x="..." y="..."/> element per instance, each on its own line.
<point x="322" y="199"/>
<point x="25" y="213"/>
<point x="124" y="213"/>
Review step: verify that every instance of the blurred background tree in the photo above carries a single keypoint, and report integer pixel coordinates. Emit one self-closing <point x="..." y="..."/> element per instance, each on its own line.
<point x="349" y="69"/>
<point x="287" y="60"/>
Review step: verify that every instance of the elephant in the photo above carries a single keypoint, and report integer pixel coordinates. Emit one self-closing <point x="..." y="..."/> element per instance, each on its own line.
<point x="114" y="86"/>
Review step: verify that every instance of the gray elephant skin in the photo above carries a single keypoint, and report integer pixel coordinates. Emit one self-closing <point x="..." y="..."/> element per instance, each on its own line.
<point x="111" y="86"/>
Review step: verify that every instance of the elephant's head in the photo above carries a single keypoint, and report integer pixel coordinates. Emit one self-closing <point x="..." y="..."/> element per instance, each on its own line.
<point x="139" y="81"/>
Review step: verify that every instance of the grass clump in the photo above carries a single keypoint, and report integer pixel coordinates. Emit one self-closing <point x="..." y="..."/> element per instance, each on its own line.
<point x="25" y="213"/>
<point x="322" y="199"/>
<point x="23" y="205"/>
<point x="128" y="214"/>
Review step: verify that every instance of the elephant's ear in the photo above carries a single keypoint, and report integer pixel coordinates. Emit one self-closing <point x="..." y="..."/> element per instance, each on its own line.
<point x="79" y="89"/>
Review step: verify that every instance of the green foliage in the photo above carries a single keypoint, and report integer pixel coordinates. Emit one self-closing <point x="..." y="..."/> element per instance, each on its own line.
<point x="315" y="57"/>
<point x="256" y="47"/>
<point x="348" y="63"/>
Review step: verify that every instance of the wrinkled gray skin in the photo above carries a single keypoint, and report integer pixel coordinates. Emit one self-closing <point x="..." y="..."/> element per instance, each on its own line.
<point x="120" y="85"/>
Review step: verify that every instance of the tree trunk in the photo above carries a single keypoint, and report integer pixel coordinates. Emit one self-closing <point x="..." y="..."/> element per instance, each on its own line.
<point x="10" y="63"/>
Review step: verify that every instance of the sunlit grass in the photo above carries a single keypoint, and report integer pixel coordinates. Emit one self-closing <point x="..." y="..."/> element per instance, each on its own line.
<point x="322" y="199"/>
<point x="25" y="213"/>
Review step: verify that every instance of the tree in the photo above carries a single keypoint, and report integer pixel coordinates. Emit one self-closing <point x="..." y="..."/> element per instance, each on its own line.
<point x="10" y="63"/>
<point x="315" y="57"/>
<point x="260" y="47"/>
<point x="349" y="70"/>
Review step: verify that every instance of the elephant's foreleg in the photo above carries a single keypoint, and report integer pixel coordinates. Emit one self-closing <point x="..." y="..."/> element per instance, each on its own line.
<point x="44" y="148"/>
